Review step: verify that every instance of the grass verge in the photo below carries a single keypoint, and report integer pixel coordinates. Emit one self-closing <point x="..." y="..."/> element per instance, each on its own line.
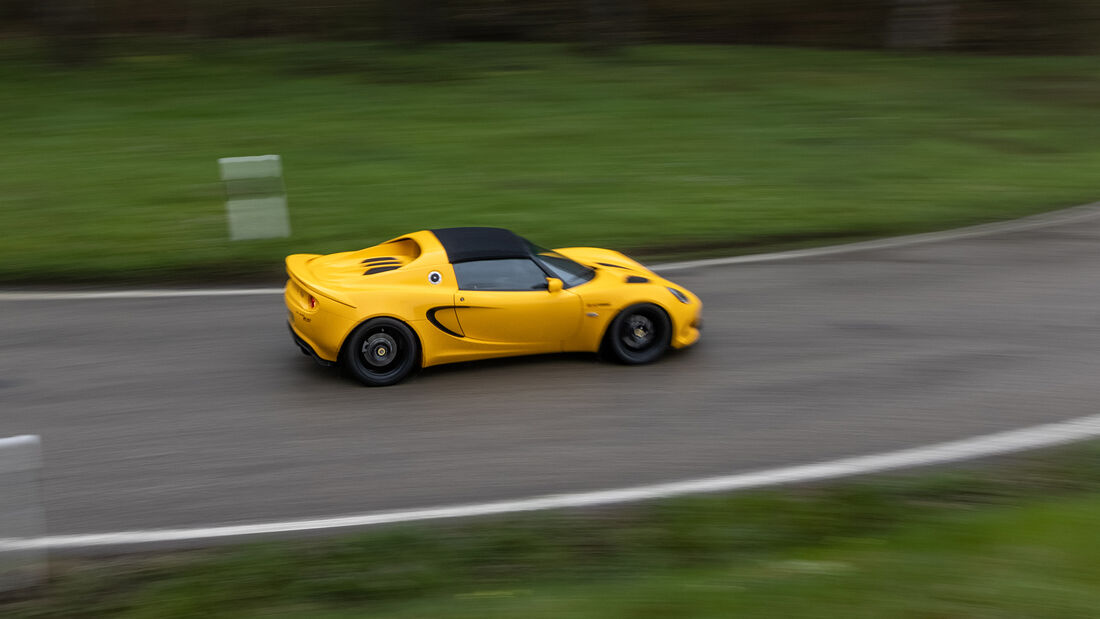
<point x="1009" y="538"/>
<point x="108" y="172"/>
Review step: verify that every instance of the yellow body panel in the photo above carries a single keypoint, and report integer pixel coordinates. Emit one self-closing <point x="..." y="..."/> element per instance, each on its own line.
<point x="416" y="284"/>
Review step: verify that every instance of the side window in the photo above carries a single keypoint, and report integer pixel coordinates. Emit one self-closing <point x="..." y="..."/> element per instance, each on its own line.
<point x="507" y="274"/>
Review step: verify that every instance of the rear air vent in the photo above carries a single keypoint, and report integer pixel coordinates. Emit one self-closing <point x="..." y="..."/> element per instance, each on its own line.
<point x="636" y="279"/>
<point x="380" y="269"/>
<point x="379" y="259"/>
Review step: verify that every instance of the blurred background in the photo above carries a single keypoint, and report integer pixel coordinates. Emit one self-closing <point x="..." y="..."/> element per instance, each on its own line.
<point x="1014" y="27"/>
<point x="661" y="128"/>
<point x="664" y="128"/>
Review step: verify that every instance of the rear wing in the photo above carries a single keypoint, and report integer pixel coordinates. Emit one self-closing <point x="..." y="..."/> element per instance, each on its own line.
<point x="297" y="269"/>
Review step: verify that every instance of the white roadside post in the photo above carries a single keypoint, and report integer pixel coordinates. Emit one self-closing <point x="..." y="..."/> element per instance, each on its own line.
<point x="21" y="515"/>
<point x="255" y="197"/>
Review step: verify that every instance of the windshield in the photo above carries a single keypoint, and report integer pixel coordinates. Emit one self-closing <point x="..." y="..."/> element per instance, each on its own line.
<point x="569" y="272"/>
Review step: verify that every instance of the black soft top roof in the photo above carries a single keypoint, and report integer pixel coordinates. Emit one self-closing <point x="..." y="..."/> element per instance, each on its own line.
<point x="466" y="244"/>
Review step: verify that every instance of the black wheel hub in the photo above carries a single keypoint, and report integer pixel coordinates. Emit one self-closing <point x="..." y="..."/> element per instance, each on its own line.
<point x="380" y="350"/>
<point x="638" y="332"/>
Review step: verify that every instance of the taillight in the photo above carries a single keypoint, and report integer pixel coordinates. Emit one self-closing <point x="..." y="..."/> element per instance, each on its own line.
<point x="312" y="302"/>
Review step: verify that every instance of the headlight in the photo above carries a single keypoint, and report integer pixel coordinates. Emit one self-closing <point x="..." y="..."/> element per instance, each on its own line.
<point x="681" y="297"/>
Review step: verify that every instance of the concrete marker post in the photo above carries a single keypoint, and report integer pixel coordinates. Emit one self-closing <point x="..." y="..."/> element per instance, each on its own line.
<point x="21" y="512"/>
<point x="256" y="204"/>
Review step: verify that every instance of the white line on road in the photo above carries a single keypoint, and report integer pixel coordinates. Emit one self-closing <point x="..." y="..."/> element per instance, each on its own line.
<point x="135" y="294"/>
<point x="1042" y="220"/>
<point x="22" y="440"/>
<point x="982" y="446"/>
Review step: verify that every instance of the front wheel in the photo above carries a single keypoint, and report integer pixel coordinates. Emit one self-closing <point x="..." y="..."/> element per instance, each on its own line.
<point x="381" y="352"/>
<point x="639" y="334"/>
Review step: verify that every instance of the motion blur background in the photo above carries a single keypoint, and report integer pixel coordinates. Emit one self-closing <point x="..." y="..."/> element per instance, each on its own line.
<point x="661" y="128"/>
<point x="1014" y="27"/>
<point x="664" y="128"/>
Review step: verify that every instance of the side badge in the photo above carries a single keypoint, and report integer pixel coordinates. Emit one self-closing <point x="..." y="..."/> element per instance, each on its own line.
<point x="434" y="277"/>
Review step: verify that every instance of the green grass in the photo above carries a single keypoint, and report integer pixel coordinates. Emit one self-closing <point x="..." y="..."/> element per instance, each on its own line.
<point x="109" y="171"/>
<point x="1042" y="560"/>
<point x="1013" y="538"/>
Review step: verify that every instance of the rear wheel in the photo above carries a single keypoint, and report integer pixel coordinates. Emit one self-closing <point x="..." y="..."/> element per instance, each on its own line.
<point x="639" y="334"/>
<point x="381" y="352"/>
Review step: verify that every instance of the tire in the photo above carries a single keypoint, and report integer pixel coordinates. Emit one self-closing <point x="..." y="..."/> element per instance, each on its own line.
<point x="381" y="352"/>
<point x="639" y="334"/>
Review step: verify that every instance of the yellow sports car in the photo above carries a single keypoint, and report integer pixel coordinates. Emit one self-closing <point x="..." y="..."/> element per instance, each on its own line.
<point x="459" y="294"/>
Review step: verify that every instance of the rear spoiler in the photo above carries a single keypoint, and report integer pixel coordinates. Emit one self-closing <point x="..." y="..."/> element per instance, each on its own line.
<point x="297" y="268"/>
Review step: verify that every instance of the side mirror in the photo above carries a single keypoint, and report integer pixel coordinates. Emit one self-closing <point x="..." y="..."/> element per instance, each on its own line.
<point x="554" y="284"/>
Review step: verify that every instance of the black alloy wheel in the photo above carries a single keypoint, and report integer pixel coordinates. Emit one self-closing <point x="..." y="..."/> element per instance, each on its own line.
<point x="639" y="334"/>
<point x="381" y="352"/>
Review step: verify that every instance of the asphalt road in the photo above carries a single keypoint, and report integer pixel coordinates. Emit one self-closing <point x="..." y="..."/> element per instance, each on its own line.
<point x="200" y="411"/>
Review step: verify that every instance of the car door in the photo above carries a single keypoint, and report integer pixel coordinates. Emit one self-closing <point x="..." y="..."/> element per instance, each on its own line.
<point x="507" y="301"/>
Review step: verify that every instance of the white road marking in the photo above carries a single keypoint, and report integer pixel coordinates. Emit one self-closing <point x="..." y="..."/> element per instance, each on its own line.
<point x="135" y="294"/>
<point x="19" y="441"/>
<point x="1046" y="435"/>
<point x="1042" y="220"/>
